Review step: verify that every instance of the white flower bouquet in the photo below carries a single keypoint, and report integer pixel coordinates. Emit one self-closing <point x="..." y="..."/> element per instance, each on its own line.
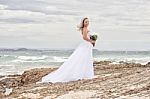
<point x="94" y="37"/>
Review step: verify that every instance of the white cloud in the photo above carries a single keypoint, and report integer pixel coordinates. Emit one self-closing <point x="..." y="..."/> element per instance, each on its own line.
<point x="2" y="7"/>
<point x="42" y="21"/>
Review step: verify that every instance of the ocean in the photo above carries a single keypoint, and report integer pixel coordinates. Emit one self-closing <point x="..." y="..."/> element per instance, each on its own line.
<point x="15" y="61"/>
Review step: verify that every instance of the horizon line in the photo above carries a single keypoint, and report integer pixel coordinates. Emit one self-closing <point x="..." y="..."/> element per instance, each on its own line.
<point x="23" y="48"/>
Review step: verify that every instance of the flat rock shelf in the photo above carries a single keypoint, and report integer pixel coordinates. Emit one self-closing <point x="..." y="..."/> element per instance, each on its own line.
<point x="119" y="81"/>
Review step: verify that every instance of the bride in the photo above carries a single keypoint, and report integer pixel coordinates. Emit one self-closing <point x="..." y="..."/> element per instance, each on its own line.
<point x="80" y="63"/>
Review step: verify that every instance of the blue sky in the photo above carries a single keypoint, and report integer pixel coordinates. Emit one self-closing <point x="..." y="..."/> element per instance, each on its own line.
<point x="121" y="24"/>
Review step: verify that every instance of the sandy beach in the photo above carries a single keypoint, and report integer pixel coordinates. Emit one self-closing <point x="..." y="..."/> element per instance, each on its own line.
<point x="112" y="81"/>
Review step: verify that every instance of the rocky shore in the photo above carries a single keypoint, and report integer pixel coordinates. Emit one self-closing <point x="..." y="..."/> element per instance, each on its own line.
<point x="123" y="80"/>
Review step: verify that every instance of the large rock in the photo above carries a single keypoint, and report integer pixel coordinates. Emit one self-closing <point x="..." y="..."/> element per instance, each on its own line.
<point x="102" y="62"/>
<point x="34" y="75"/>
<point x="28" y="77"/>
<point x="148" y="64"/>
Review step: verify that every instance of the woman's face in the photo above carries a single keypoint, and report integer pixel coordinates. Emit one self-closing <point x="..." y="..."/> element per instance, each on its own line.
<point x="86" y="22"/>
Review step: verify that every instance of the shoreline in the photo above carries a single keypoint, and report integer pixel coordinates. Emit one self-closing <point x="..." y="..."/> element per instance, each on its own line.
<point x="112" y="81"/>
<point x="54" y="66"/>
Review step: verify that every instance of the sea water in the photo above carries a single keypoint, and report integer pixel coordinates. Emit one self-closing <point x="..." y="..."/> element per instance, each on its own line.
<point x="15" y="61"/>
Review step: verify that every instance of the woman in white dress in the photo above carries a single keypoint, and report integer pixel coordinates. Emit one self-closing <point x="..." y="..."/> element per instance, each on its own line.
<point x="80" y="63"/>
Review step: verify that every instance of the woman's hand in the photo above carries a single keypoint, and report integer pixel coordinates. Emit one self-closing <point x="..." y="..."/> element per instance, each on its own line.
<point x="93" y="42"/>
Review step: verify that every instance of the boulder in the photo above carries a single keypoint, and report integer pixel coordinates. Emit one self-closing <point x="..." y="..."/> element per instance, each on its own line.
<point x="34" y="75"/>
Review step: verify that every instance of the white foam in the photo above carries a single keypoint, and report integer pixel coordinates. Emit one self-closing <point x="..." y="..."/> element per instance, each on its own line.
<point x="59" y="59"/>
<point x="32" y="57"/>
<point x="30" y="61"/>
<point x="116" y="60"/>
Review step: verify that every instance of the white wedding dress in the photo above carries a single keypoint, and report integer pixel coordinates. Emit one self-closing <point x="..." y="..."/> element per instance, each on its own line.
<point x="78" y="66"/>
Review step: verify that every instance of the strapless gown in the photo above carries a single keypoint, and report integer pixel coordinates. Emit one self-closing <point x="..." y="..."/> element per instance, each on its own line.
<point x="79" y="65"/>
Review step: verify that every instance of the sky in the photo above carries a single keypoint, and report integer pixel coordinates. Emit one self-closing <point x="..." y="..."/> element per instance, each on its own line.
<point x="52" y="24"/>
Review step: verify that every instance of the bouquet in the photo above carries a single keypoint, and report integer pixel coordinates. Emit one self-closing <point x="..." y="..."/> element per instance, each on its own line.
<point x="94" y="37"/>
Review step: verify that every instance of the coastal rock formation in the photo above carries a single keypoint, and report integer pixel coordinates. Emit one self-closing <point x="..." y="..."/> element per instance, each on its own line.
<point x="123" y="80"/>
<point x="148" y="64"/>
<point x="102" y="62"/>
<point x="34" y="75"/>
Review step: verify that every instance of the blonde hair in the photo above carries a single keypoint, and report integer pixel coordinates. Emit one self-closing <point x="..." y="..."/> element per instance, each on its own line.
<point x="81" y="25"/>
